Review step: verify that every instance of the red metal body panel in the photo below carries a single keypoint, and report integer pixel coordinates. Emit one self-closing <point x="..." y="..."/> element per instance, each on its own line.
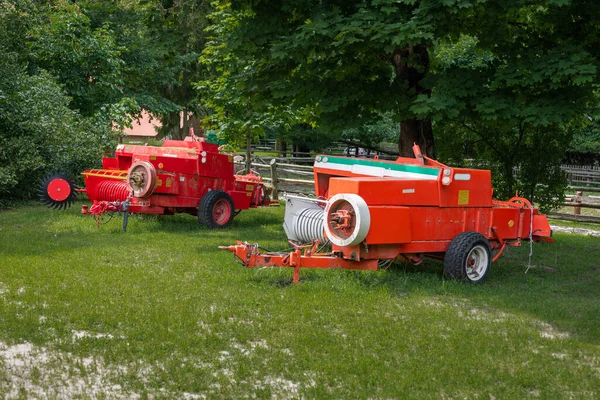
<point x="446" y="223"/>
<point x="510" y="223"/>
<point x="241" y="200"/>
<point x="473" y="188"/>
<point x="385" y="191"/>
<point x="389" y="225"/>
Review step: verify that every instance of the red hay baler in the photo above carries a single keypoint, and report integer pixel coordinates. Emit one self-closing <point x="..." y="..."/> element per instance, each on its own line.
<point x="181" y="176"/>
<point x="379" y="211"/>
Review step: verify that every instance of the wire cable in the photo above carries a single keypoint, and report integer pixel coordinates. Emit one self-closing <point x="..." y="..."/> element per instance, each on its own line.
<point x="530" y="237"/>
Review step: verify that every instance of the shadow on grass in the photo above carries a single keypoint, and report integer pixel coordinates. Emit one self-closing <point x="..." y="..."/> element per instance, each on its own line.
<point x="34" y="230"/>
<point x="394" y="278"/>
<point x="560" y="288"/>
<point x="257" y="223"/>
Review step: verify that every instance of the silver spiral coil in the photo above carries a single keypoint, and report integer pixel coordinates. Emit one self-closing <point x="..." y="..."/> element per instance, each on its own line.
<point x="308" y="225"/>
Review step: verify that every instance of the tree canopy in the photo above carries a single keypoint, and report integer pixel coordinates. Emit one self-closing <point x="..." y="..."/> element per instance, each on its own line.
<point x="501" y="79"/>
<point x="514" y="83"/>
<point x="71" y="71"/>
<point x="39" y="131"/>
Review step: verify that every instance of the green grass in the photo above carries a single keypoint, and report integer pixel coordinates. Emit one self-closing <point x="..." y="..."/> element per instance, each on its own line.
<point x="161" y="312"/>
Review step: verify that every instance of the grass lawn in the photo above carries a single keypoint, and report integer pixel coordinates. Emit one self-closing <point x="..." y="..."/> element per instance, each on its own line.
<point x="160" y="312"/>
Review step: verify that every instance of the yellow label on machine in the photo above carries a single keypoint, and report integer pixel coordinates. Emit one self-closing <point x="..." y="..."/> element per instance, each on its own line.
<point x="249" y="188"/>
<point x="159" y="182"/>
<point x="463" y="197"/>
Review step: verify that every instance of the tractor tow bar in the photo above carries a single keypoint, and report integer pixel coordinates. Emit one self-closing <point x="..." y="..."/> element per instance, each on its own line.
<point x="301" y="257"/>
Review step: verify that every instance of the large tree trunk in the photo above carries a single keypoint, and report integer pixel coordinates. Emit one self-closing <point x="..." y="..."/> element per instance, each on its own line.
<point x="416" y="131"/>
<point x="282" y="147"/>
<point x="411" y="64"/>
<point x="185" y="129"/>
<point x="171" y="124"/>
<point x="174" y="121"/>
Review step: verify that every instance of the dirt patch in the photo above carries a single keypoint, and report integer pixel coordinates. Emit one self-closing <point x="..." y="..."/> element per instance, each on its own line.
<point x="576" y="231"/>
<point x="37" y="372"/>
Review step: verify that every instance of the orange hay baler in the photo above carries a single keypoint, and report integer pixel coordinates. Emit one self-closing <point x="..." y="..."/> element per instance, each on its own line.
<point x="379" y="211"/>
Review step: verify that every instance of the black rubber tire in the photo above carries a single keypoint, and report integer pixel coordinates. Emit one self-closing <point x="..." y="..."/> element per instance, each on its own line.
<point x="206" y="209"/>
<point x="458" y="255"/>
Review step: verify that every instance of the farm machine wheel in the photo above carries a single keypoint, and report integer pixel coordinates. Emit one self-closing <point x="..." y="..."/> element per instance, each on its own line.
<point x="142" y="178"/>
<point x="57" y="191"/>
<point x="468" y="258"/>
<point x="347" y="219"/>
<point x="216" y="209"/>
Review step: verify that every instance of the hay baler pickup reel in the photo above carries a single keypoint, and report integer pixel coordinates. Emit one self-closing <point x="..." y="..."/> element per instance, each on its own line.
<point x="181" y="176"/>
<point x="57" y="191"/>
<point x="378" y="212"/>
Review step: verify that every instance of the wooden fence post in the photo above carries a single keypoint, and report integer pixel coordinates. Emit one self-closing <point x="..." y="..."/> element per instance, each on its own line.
<point x="577" y="199"/>
<point x="274" y="180"/>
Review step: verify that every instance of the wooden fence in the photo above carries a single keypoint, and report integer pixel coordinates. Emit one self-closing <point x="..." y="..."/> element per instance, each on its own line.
<point x="285" y="176"/>
<point x="575" y="202"/>
<point x="583" y="177"/>
<point x="574" y="217"/>
<point x="271" y="146"/>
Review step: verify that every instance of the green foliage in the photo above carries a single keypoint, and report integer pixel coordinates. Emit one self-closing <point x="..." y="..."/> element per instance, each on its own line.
<point x="87" y="61"/>
<point x="329" y="65"/>
<point x="318" y="62"/>
<point x="510" y="72"/>
<point x="73" y="71"/>
<point x="107" y="54"/>
<point x="527" y="161"/>
<point x="587" y="139"/>
<point x="145" y="71"/>
<point x="173" y="37"/>
<point x="515" y="110"/>
<point x="39" y="132"/>
<point x="238" y="110"/>
<point x="384" y="129"/>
